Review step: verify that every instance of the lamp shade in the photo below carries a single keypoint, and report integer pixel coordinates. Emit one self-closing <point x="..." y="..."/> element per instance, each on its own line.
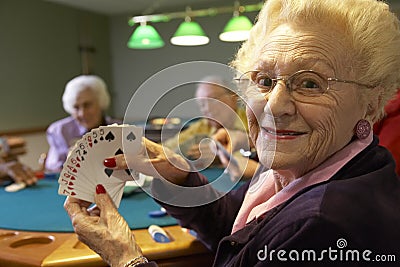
<point x="145" y="37"/>
<point x="189" y="33"/>
<point x="237" y="29"/>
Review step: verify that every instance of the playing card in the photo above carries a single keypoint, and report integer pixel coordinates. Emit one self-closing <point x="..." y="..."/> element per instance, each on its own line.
<point x="227" y="155"/>
<point x="233" y="166"/>
<point x="84" y="168"/>
<point x="76" y="168"/>
<point x="119" y="140"/>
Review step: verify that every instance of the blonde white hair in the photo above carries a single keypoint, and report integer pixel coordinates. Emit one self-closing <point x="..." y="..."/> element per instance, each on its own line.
<point x="85" y="82"/>
<point x="369" y="28"/>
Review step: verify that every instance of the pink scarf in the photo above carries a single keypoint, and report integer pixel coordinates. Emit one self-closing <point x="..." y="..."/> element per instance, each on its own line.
<point x="261" y="196"/>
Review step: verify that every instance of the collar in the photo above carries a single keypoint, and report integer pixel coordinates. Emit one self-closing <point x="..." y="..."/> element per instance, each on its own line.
<point x="261" y="196"/>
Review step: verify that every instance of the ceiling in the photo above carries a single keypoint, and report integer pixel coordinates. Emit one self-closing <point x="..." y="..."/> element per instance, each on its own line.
<point x="145" y="7"/>
<point x="141" y="7"/>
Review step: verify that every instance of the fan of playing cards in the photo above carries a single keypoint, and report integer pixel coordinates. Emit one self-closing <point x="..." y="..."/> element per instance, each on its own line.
<point x="84" y="170"/>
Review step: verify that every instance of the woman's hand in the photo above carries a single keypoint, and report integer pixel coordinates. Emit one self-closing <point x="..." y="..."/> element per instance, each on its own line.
<point x="153" y="160"/>
<point x="18" y="172"/>
<point x="102" y="228"/>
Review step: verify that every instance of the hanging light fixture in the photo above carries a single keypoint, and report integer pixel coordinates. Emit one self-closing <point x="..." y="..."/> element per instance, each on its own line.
<point x="189" y="33"/>
<point x="145" y="37"/>
<point x="238" y="27"/>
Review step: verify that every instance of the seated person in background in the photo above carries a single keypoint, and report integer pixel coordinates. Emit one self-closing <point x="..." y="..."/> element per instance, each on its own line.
<point x="86" y="99"/>
<point x="10" y="168"/>
<point x="219" y="108"/>
<point x="318" y="78"/>
<point x="388" y="129"/>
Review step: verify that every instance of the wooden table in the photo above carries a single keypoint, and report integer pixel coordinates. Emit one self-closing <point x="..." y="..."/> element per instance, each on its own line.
<point x="36" y="231"/>
<point x="23" y="248"/>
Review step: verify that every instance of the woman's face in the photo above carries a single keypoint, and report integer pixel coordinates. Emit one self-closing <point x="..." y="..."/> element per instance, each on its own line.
<point x="306" y="130"/>
<point x="87" y="110"/>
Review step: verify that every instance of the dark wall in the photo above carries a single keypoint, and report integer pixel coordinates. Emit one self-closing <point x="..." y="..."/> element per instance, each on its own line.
<point x="39" y="53"/>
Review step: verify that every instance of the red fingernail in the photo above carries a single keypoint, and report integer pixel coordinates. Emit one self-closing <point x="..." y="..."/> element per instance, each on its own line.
<point x="110" y="163"/>
<point x="100" y="189"/>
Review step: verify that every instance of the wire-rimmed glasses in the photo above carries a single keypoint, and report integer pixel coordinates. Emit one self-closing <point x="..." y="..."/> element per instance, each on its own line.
<point x="301" y="84"/>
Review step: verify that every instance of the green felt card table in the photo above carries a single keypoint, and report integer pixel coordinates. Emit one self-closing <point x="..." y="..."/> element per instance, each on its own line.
<point x="36" y="231"/>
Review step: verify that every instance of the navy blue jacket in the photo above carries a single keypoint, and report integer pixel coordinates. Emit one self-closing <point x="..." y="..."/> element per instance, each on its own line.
<point x="353" y="219"/>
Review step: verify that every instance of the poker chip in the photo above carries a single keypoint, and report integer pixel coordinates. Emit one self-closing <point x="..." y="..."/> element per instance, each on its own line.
<point x="157" y="213"/>
<point x="158" y="234"/>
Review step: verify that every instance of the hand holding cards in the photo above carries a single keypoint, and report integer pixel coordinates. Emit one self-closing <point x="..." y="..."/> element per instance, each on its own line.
<point x="84" y="168"/>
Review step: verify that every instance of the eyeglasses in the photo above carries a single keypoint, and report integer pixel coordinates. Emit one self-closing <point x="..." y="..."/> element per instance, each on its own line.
<point x="303" y="83"/>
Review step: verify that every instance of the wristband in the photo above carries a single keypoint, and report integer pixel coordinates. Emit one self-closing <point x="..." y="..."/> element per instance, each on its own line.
<point x="136" y="261"/>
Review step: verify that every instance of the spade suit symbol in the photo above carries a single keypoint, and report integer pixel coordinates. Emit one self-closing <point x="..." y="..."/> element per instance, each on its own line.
<point x="119" y="152"/>
<point x="131" y="136"/>
<point x="109" y="172"/>
<point x="110" y="137"/>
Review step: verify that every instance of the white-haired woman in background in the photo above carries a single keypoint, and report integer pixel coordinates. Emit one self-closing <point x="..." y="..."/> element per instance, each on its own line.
<point x="86" y="99"/>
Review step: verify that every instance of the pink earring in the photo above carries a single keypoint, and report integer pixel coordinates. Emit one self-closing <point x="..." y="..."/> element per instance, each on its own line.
<point x="363" y="128"/>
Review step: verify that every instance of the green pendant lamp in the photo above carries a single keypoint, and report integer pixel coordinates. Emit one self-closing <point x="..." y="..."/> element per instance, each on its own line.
<point x="145" y="37"/>
<point x="189" y="33"/>
<point x="237" y="29"/>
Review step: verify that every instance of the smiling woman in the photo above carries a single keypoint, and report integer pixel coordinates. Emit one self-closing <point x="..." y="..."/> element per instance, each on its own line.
<point x="292" y="104"/>
<point x="86" y="98"/>
<point x="324" y="72"/>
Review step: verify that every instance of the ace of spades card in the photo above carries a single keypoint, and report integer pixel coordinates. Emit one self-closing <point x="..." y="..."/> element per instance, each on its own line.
<point x="84" y="168"/>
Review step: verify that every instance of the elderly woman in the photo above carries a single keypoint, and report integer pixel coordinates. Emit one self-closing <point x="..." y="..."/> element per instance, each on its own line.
<point x="320" y="73"/>
<point x="86" y="99"/>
